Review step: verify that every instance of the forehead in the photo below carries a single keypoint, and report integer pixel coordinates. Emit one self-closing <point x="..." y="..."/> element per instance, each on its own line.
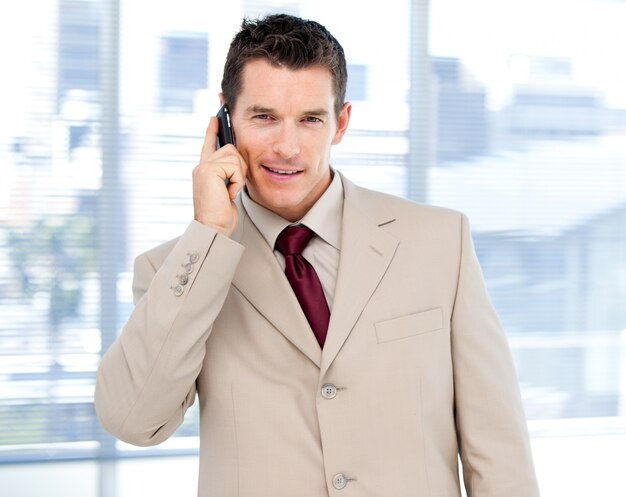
<point x="264" y="83"/>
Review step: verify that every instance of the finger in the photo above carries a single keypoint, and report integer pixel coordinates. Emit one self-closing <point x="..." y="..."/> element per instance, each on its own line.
<point x="210" y="140"/>
<point x="237" y="179"/>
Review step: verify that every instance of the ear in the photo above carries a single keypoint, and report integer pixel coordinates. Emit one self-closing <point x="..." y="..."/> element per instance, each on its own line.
<point x="342" y="123"/>
<point x="221" y="95"/>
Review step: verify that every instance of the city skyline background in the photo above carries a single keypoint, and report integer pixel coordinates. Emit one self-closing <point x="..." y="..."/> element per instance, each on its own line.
<point x="514" y="113"/>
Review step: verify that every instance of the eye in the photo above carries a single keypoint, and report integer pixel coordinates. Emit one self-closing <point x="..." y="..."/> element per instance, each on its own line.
<point x="313" y="119"/>
<point x="262" y="117"/>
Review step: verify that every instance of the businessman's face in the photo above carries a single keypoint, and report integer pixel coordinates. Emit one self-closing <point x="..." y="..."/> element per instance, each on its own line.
<point x="285" y="125"/>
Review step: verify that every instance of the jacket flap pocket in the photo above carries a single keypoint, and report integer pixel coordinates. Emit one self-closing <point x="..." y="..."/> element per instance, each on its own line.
<point x="406" y="326"/>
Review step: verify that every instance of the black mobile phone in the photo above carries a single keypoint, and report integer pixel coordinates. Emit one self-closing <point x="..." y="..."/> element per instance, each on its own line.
<point x="225" y="132"/>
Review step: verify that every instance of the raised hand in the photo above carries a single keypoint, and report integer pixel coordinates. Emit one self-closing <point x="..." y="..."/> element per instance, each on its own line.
<point x="217" y="180"/>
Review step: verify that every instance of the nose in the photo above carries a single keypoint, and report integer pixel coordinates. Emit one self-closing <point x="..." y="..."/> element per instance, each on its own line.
<point x="286" y="142"/>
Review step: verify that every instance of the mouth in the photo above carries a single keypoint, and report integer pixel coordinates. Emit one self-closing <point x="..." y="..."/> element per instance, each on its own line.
<point x="282" y="172"/>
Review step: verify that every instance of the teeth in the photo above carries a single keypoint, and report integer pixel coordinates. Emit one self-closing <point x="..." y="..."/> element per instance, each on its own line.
<point x="282" y="172"/>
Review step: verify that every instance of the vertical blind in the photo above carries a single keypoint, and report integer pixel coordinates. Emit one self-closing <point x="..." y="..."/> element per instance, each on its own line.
<point x="479" y="106"/>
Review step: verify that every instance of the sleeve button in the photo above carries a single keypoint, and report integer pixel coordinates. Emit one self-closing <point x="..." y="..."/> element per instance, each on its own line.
<point x="193" y="258"/>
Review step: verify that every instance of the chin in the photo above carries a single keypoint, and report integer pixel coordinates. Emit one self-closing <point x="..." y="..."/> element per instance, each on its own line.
<point x="283" y="206"/>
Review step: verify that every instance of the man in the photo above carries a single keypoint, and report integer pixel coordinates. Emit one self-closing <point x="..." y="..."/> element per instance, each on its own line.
<point x="412" y="367"/>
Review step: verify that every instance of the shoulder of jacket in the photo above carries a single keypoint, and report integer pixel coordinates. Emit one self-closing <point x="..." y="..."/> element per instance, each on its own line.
<point x="400" y="207"/>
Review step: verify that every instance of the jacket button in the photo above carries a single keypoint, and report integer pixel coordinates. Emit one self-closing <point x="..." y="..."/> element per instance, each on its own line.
<point x="329" y="391"/>
<point x="193" y="258"/>
<point x="183" y="279"/>
<point x="340" y="481"/>
<point x="178" y="290"/>
<point x="188" y="268"/>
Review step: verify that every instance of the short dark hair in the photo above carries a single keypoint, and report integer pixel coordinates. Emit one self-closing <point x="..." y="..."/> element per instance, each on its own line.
<point x="284" y="41"/>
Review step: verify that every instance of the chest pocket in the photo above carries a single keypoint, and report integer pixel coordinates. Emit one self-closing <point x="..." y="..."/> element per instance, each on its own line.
<point x="408" y="326"/>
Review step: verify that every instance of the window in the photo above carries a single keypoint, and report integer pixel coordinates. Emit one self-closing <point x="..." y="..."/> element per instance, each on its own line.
<point x="357" y="82"/>
<point x="184" y="65"/>
<point x="78" y="46"/>
<point x="521" y="129"/>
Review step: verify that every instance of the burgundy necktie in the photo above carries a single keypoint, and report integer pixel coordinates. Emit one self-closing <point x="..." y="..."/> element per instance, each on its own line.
<point x="303" y="278"/>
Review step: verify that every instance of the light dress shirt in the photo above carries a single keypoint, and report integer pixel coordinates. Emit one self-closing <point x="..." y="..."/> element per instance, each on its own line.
<point x="324" y="218"/>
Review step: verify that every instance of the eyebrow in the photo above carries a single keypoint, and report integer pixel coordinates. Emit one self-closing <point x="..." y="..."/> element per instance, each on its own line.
<point x="259" y="109"/>
<point x="317" y="112"/>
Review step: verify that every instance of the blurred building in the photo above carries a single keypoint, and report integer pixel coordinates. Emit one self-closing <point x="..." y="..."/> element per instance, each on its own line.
<point x="547" y="104"/>
<point x="462" y="120"/>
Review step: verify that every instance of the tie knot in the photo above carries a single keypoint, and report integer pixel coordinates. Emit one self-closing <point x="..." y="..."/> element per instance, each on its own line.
<point x="293" y="239"/>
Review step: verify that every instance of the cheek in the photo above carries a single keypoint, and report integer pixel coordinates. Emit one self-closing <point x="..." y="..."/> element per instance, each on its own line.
<point x="250" y="152"/>
<point x="318" y="148"/>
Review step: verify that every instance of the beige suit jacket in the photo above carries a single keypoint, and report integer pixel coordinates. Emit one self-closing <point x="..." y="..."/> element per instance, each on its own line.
<point x="415" y="368"/>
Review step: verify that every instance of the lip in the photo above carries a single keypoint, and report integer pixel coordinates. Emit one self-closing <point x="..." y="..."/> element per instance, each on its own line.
<point x="282" y="174"/>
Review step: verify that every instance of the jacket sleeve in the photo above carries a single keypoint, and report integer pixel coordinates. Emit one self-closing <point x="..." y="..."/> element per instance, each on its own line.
<point x="146" y="380"/>
<point x="491" y="426"/>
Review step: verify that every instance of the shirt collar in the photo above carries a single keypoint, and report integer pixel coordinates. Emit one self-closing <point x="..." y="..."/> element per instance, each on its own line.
<point x="324" y="218"/>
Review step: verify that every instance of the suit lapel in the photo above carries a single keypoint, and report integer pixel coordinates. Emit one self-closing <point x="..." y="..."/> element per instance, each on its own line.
<point x="366" y="252"/>
<point x="262" y="282"/>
